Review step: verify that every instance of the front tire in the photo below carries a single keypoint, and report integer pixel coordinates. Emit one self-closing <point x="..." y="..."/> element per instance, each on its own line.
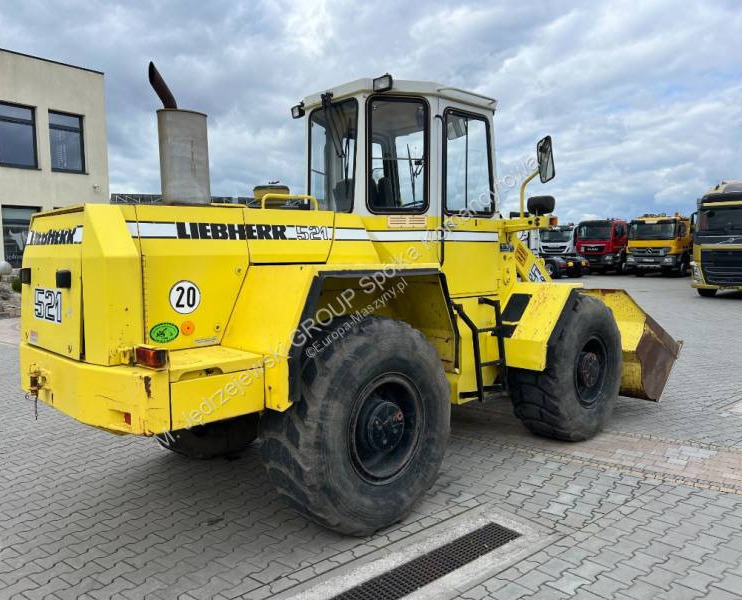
<point x="574" y="397"/>
<point x="221" y="438"/>
<point x="367" y="437"/>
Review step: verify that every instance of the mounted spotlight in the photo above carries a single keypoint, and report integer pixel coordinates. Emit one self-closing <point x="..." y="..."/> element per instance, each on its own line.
<point x="297" y="112"/>
<point x="383" y="83"/>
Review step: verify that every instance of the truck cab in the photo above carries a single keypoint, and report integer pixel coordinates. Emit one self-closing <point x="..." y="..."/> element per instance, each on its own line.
<point x="557" y="240"/>
<point x="659" y="243"/>
<point x="717" y="240"/>
<point x="603" y="244"/>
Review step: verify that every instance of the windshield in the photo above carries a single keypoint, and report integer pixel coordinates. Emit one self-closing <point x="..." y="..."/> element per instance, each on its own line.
<point x="556" y="235"/>
<point x="720" y="220"/>
<point x="332" y="155"/>
<point x="594" y="231"/>
<point x="652" y="231"/>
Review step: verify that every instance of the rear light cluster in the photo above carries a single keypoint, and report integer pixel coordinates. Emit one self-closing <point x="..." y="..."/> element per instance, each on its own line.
<point x="155" y="358"/>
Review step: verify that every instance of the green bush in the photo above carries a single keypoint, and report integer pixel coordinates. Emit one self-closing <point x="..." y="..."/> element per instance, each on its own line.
<point x="16" y="285"/>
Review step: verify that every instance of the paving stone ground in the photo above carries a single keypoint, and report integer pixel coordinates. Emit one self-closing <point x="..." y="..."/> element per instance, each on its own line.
<point x="651" y="508"/>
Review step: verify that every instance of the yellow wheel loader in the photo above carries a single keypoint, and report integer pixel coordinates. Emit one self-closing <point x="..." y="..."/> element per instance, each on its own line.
<point x="338" y="325"/>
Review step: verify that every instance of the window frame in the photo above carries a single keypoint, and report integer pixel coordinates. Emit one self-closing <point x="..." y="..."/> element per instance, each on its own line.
<point x="444" y="162"/>
<point x="35" y="166"/>
<point x="35" y="209"/>
<point x="355" y="152"/>
<point x="409" y="99"/>
<point x="82" y="170"/>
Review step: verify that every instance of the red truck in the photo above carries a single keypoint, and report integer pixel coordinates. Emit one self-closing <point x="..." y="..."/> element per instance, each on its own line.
<point x="603" y="244"/>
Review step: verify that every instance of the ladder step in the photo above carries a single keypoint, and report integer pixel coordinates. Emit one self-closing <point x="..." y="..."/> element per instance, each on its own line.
<point x="492" y="363"/>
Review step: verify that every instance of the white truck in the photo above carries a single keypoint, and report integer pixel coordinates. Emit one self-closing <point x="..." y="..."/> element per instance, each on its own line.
<point x="558" y="240"/>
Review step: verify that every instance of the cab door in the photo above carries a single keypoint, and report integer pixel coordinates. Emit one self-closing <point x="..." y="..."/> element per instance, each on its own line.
<point x="403" y="220"/>
<point x="470" y="238"/>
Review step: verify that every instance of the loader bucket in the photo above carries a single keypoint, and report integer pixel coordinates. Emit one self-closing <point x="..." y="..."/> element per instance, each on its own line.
<point x="649" y="352"/>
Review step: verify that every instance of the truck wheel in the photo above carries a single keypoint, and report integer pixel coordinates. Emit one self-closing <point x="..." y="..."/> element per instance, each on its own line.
<point x="706" y="293"/>
<point x="222" y="438"/>
<point x="574" y="397"/>
<point x="367" y="437"/>
<point x="551" y="269"/>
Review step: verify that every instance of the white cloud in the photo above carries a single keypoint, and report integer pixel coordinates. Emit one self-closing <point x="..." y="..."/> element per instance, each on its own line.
<point x="642" y="99"/>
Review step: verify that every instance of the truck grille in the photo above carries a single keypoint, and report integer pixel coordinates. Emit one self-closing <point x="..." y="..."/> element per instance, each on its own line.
<point x="554" y="249"/>
<point x="722" y="267"/>
<point x="648" y="251"/>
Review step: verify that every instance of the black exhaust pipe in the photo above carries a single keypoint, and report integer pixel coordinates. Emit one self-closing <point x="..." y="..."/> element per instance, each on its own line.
<point x="158" y="84"/>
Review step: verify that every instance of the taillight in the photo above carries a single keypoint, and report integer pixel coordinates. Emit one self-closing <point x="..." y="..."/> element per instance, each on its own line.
<point x="155" y="358"/>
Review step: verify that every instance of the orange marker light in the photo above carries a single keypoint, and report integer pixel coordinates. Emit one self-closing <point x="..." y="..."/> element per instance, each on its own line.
<point x="187" y="327"/>
<point x="151" y="357"/>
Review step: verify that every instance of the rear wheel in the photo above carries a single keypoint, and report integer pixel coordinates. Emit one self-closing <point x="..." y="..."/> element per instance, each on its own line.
<point x="706" y="293"/>
<point x="574" y="397"/>
<point x="367" y="437"/>
<point x="222" y="438"/>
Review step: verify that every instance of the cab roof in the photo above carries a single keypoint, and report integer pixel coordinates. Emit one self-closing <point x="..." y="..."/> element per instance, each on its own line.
<point x="404" y="86"/>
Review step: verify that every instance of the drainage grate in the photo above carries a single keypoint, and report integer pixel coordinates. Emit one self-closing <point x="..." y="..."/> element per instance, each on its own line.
<point x="425" y="569"/>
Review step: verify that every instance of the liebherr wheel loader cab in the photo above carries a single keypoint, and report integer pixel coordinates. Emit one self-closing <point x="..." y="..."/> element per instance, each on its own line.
<point x="339" y="324"/>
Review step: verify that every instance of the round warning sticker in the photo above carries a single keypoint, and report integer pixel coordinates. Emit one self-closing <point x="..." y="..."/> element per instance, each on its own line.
<point x="162" y="333"/>
<point x="185" y="297"/>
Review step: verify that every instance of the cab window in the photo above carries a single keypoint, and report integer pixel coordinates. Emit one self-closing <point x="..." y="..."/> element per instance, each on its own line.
<point x="332" y="155"/>
<point x="398" y="147"/>
<point x="468" y="166"/>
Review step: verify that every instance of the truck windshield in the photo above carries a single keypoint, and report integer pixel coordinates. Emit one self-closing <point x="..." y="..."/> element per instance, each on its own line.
<point x="332" y="155"/>
<point x="594" y="231"/>
<point x="640" y="230"/>
<point x="720" y="220"/>
<point x="556" y="235"/>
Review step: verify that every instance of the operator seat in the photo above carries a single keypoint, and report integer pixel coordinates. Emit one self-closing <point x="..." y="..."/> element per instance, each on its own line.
<point x="386" y="193"/>
<point x="343" y="195"/>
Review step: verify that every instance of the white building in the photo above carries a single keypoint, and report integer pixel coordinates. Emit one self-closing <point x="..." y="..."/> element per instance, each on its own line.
<point x="53" y="146"/>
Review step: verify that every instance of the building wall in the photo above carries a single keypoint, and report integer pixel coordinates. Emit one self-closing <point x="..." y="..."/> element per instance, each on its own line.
<point x="45" y="85"/>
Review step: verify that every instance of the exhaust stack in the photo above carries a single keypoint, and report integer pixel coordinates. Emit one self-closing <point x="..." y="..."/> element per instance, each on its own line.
<point x="184" y="148"/>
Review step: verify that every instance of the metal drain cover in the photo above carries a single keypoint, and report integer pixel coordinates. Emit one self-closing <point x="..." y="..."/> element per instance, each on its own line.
<point x="425" y="569"/>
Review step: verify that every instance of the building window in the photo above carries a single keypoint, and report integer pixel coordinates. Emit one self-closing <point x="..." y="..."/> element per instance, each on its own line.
<point x="65" y="137"/>
<point x="17" y="136"/>
<point x="16" y="221"/>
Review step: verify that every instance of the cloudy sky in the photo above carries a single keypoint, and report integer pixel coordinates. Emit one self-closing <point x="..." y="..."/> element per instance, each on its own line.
<point x="643" y="99"/>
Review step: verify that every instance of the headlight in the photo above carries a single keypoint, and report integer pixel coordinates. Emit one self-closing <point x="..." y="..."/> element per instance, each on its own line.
<point x="570" y="264"/>
<point x="696" y="272"/>
<point x="630" y="259"/>
<point x="608" y="258"/>
<point x="668" y="259"/>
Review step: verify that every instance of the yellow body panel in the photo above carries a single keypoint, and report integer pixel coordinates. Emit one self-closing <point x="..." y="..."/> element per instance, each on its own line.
<point x="268" y="279"/>
<point x="97" y="395"/>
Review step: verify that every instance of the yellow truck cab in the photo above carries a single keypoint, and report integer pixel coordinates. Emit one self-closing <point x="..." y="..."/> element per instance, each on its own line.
<point x="660" y="243"/>
<point x="338" y="325"/>
<point x="717" y="249"/>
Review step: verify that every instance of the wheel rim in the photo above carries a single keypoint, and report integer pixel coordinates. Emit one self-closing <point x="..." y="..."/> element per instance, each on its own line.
<point x="384" y="428"/>
<point x="550" y="269"/>
<point x="590" y="371"/>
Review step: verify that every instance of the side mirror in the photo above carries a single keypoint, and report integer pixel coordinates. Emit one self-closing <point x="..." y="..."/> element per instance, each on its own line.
<point x="541" y="205"/>
<point x="545" y="159"/>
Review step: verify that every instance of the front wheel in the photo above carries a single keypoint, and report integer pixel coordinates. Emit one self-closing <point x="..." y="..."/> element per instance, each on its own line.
<point x="221" y="438"/>
<point x="574" y="397"/>
<point x="551" y="269"/>
<point x="367" y="437"/>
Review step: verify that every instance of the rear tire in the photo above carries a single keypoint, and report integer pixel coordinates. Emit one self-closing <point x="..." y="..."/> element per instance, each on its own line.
<point x="706" y="293"/>
<point x="222" y="438"/>
<point x="574" y="397"/>
<point x="367" y="437"/>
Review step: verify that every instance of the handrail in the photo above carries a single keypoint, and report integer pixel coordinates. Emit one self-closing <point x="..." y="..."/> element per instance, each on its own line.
<point x="276" y="196"/>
